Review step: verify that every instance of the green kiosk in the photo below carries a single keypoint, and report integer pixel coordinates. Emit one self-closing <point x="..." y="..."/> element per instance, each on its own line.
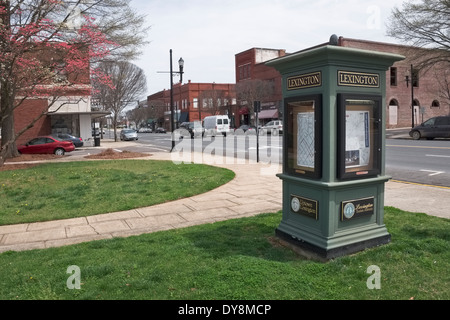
<point x="334" y="149"/>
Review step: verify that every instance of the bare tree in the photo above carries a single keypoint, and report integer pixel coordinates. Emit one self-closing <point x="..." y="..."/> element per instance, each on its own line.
<point x="141" y="115"/>
<point x="423" y="25"/>
<point x="249" y="91"/>
<point x="212" y="101"/>
<point x="128" y="84"/>
<point x="157" y="108"/>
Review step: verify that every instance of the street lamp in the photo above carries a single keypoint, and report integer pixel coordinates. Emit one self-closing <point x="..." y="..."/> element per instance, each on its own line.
<point x="181" y="66"/>
<point x="412" y="94"/>
<point x="172" y="122"/>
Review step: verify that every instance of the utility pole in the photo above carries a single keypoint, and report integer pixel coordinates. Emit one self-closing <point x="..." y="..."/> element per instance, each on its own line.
<point x="257" y="108"/>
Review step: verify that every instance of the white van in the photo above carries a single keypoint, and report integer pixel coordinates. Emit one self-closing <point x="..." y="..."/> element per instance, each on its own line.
<point x="216" y="124"/>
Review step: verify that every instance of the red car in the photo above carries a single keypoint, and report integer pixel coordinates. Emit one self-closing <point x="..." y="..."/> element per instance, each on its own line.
<point x="47" y="144"/>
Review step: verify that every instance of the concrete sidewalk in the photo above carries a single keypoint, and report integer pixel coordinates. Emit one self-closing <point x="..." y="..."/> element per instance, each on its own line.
<point x="254" y="190"/>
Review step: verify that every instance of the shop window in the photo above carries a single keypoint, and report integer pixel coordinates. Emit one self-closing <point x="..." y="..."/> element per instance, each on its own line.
<point x="415" y="77"/>
<point x="435" y="104"/>
<point x="393" y="76"/>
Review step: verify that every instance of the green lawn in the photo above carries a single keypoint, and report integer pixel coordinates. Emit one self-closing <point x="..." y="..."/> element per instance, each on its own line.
<point x="235" y="259"/>
<point x="66" y="190"/>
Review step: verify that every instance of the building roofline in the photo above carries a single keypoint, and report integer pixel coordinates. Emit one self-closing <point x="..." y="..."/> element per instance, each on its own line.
<point x="377" y="42"/>
<point x="259" y="48"/>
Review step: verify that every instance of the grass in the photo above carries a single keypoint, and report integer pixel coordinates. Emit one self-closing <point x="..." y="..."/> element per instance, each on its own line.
<point x="235" y="259"/>
<point x="68" y="190"/>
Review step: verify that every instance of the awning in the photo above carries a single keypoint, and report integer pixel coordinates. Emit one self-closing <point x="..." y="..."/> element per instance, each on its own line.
<point x="268" y="114"/>
<point x="243" y="110"/>
<point x="93" y="114"/>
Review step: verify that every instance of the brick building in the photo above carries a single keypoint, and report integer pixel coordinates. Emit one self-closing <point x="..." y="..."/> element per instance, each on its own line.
<point x="250" y="66"/>
<point x="66" y="109"/>
<point x="193" y="102"/>
<point x="427" y="88"/>
<point x="425" y="91"/>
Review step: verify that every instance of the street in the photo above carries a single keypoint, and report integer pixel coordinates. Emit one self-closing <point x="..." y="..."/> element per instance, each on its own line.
<point x="242" y="147"/>
<point x="422" y="161"/>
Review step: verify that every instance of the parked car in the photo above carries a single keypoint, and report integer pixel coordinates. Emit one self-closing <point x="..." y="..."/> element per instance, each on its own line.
<point x="145" y="130"/>
<point x="128" y="134"/>
<point x="160" y="130"/>
<point x="194" y="129"/>
<point x="77" y="142"/>
<point x="46" y="144"/>
<point x="216" y="124"/>
<point x="245" y="129"/>
<point x="273" y="127"/>
<point x="437" y="127"/>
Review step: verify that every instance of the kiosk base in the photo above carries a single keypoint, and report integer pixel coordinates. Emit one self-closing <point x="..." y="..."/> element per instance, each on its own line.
<point x="314" y="252"/>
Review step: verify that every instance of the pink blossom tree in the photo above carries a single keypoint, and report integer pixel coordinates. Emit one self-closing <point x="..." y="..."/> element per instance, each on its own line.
<point x="49" y="47"/>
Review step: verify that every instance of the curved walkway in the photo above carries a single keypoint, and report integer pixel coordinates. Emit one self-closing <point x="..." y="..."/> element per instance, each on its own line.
<point x="254" y="190"/>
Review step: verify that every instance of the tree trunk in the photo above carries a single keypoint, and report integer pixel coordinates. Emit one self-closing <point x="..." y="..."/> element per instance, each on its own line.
<point x="115" y="127"/>
<point x="8" y="144"/>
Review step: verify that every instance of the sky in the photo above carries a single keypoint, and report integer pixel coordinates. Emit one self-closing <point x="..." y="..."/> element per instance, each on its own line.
<point x="208" y="34"/>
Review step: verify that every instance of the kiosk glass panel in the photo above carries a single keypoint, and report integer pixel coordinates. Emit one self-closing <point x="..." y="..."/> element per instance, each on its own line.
<point x="304" y="143"/>
<point x="359" y="136"/>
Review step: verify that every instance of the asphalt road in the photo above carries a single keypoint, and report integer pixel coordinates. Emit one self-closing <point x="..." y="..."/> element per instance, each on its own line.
<point x="238" y="146"/>
<point x="422" y="161"/>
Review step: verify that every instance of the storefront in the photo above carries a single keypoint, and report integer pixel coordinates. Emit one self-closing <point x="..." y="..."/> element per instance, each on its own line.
<point x="78" y="124"/>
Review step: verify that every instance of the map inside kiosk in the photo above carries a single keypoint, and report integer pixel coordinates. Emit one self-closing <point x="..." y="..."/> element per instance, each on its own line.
<point x="357" y="139"/>
<point x="305" y="133"/>
<point x="360" y="127"/>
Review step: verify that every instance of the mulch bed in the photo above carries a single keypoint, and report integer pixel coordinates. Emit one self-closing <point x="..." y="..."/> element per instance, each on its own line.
<point x="108" y="154"/>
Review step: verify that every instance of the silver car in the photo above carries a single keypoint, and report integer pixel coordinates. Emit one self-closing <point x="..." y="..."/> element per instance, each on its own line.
<point x="128" y="134"/>
<point x="273" y="127"/>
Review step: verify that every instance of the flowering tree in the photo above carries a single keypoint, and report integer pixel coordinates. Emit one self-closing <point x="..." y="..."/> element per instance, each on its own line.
<point x="46" y="46"/>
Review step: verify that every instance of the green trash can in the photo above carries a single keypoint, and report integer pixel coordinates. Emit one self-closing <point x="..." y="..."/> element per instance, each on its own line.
<point x="97" y="141"/>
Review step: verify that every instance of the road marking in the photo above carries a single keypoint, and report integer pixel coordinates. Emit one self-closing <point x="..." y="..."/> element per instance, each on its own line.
<point x="420" y="184"/>
<point x="433" y="173"/>
<point x="154" y="147"/>
<point x="436" y="156"/>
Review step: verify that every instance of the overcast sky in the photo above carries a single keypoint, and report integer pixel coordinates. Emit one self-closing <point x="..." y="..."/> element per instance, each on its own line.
<point x="208" y="34"/>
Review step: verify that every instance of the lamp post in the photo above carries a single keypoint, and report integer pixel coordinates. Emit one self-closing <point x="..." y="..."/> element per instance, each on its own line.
<point x="172" y="121"/>
<point x="412" y="94"/>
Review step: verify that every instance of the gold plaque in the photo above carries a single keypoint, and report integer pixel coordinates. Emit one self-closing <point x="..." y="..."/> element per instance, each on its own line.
<point x="358" y="79"/>
<point x="304" y="81"/>
<point x="305" y="207"/>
